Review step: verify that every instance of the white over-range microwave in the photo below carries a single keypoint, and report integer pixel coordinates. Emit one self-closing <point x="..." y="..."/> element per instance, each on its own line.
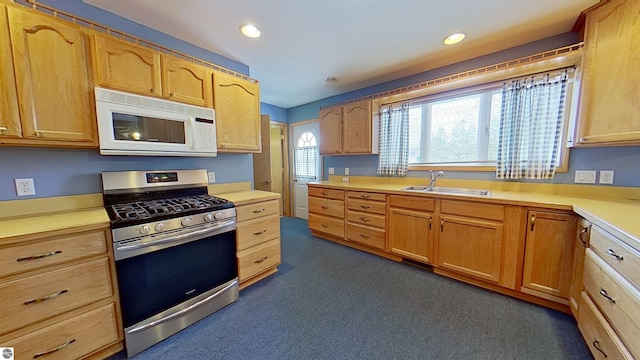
<point x="130" y="124"/>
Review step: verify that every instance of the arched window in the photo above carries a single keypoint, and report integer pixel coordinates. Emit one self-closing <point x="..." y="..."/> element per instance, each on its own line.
<point x="306" y="139"/>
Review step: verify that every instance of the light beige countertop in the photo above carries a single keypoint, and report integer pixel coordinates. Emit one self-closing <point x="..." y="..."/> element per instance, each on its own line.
<point x="40" y="215"/>
<point x="614" y="210"/>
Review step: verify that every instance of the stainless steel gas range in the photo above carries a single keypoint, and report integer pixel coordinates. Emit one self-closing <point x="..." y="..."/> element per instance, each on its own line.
<point x="175" y="251"/>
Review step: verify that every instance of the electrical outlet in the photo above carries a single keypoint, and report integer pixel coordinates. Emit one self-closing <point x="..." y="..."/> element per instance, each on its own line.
<point x="212" y="176"/>
<point x="606" y="177"/>
<point x="345" y="179"/>
<point x="585" y="177"/>
<point x="25" y="187"/>
<point x="332" y="171"/>
<point x="346" y="171"/>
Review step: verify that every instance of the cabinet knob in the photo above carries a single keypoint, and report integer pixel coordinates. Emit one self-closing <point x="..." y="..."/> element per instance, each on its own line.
<point x="3" y="130"/>
<point x="39" y="134"/>
<point x="172" y="94"/>
<point x="267" y="182"/>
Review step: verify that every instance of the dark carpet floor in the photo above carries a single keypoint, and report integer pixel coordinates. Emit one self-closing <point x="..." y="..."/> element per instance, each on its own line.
<point x="331" y="302"/>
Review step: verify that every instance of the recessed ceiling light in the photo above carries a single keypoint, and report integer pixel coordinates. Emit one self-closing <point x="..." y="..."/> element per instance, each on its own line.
<point x="330" y="79"/>
<point x="454" y="38"/>
<point x="250" y="31"/>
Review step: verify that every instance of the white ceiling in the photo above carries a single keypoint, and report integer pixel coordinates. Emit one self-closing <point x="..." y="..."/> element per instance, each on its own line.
<point x="360" y="42"/>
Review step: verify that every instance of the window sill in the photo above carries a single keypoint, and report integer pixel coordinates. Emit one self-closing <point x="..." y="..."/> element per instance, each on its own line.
<point x="465" y="167"/>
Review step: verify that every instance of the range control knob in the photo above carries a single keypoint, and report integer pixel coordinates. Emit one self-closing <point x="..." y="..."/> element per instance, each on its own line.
<point x="217" y="215"/>
<point x="186" y="221"/>
<point x="208" y="217"/>
<point x="159" y="226"/>
<point x="144" y="229"/>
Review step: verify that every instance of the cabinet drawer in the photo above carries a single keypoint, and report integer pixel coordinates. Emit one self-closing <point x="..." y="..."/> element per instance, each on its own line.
<point x="365" y="235"/>
<point x="366" y="219"/>
<point x="412" y="202"/>
<point x="252" y="211"/>
<point x="326" y="193"/>
<point x="327" y="225"/>
<point x="70" y="339"/>
<point x="257" y="231"/>
<point x="617" y="254"/>
<point x="367" y="195"/>
<point x="367" y="206"/>
<point x="327" y="207"/>
<point x="599" y="336"/>
<point x="616" y="297"/>
<point x="31" y="299"/>
<point x="257" y="259"/>
<point x="36" y="254"/>
<point x="477" y="210"/>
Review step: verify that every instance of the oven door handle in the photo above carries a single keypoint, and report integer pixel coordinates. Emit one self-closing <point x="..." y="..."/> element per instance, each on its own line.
<point x="176" y="238"/>
<point x="183" y="311"/>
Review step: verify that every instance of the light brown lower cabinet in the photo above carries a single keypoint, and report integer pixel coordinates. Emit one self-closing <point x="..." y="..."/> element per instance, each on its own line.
<point x="59" y="295"/>
<point x="257" y="240"/>
<point x="598" y="334"/>
<point x="548" y="255"/>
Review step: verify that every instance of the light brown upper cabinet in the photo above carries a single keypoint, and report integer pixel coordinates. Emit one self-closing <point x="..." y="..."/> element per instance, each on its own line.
<point x="609" y="106"/>
<point x="347" y="130"/>
<point x="548" y="256"/>
<point x="9" y="116"/>
<point x="237" y="104"/>
<point x="129" y="67"/>
<point x="50" y="59"/>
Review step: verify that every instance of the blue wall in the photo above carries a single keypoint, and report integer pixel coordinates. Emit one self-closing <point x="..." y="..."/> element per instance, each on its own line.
<point x="625" y="161"/>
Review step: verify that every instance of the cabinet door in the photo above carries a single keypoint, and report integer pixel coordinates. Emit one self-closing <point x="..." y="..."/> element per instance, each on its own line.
<point x="357" y="128"/>
<point x="331" y="130"/>
<point x="470" y="246"/>
<point x="411" y="234"/>
<point x="186" y="82"/>
<point x="124" y="66"/>
<point x="609" y="104"/>
<point x="9" y="117"/>
<point x="54" y="92"/>
<point x="580" y="245"/>
<point x="237" y="104"/>
<point x="549" y="253"/>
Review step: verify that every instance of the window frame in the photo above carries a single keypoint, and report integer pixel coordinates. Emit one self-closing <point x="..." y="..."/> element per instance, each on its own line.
<point x="452" y="85"/>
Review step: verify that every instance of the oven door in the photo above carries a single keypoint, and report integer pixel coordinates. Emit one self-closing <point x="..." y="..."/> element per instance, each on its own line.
<point x="155" y="281"/>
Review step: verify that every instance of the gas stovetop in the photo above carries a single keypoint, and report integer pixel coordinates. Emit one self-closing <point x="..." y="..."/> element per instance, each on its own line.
<point x="141" y="210"/>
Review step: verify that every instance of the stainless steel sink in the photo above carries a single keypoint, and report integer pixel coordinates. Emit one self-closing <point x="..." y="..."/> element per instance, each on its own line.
<point x="447" y="190"/>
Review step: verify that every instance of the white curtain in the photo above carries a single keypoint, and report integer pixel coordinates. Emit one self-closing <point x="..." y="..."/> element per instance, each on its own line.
<point x="394" y="140"/>
<point x="305" y="162"/>
<point x="530" y="127"/>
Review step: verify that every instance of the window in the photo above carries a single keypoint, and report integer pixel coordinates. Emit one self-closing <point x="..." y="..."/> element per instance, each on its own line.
<point x="305" y="158"/>
<point x="459" y="129"/>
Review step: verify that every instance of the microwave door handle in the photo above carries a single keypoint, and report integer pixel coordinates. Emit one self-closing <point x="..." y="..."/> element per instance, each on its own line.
<point x="175" y="238"/>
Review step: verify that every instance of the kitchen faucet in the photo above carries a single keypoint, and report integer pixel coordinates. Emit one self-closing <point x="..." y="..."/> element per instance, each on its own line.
<point x="435" y="177"/>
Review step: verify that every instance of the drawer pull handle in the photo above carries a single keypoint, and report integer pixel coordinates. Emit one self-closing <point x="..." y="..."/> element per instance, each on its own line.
<point x="258" y="211"/>
<point x="48" y="297"/>
<point x="441" y="225"/>
<point x="604" y="293"/>
<point x="430" y="221"/>
<point x="260" y="232"/>
<point x="596" y="344"/>
<point x="364" y="218"/>
<point x="324" y="207"/>
<point x="364" y="236"/>
<point x="39" y="256"/>
<point x="325" y="226"/>
<point x="365" y="196"/>
<point x="612" y="252"/>
<point x="324" y="193"/>
<point x="261" y="260"/>
<point x="54" y="349"/>
<point x="582" y="233"/>
<point x="364" y="206"/>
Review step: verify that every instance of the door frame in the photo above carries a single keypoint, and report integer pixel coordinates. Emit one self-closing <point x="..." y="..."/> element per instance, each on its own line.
<point x="286" y="177"/>
<point x="320" y="160"/>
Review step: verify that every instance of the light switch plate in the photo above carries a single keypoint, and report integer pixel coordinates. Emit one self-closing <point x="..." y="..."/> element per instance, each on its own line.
<point x="346" y="171"/>
<point x="332" y="171"/>
<point x="585" y="177"/>
<point x="212" y="176"/>
<point x="606" y="177"/>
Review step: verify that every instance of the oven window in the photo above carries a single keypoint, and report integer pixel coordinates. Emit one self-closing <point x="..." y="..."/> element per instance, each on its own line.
<point x="153" y="282"/>
<point x="149" y="129"/>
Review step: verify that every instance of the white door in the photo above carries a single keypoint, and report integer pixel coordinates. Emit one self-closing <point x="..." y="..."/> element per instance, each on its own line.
<point x="306" y="164"/>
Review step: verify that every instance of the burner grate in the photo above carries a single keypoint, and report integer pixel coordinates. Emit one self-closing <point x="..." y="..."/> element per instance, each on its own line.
<point x="152" y="208"/>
